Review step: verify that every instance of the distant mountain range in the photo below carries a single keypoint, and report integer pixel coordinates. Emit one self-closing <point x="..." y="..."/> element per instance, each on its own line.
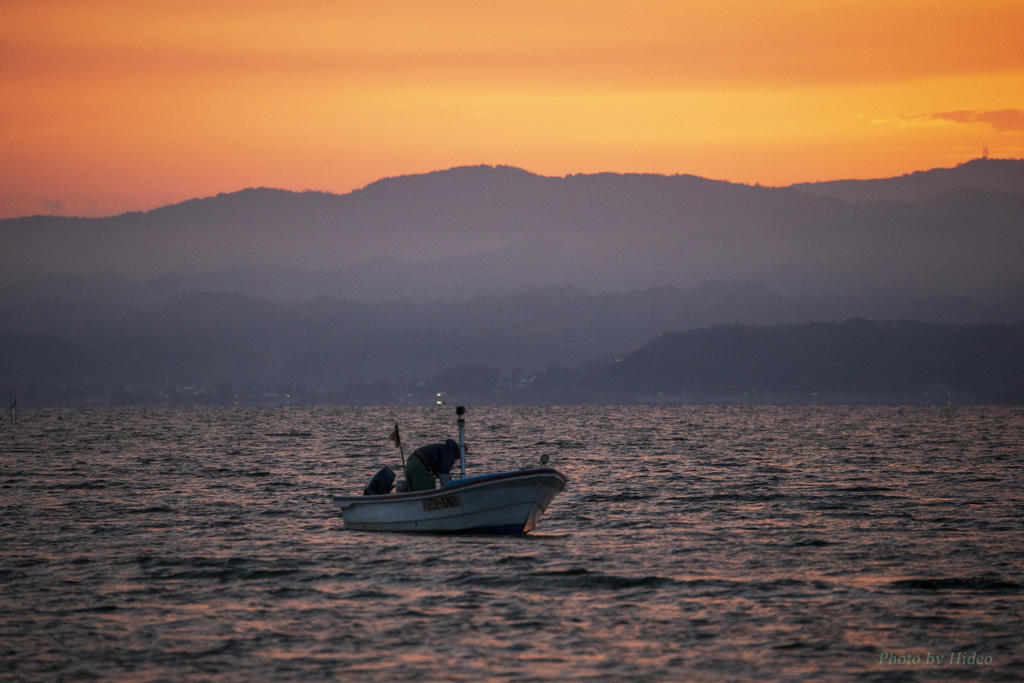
<point x="488" y="272"/>
<point x="475" y="231"/>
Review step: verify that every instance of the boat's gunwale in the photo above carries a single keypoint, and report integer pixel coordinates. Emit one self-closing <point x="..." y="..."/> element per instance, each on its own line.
<point x="451" y="486"/>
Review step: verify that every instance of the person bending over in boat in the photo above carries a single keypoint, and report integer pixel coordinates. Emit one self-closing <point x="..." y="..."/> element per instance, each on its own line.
<point x="427" y="462"/>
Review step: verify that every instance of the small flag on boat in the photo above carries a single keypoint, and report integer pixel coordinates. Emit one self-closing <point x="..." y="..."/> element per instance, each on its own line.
<point x="395" y="437"/>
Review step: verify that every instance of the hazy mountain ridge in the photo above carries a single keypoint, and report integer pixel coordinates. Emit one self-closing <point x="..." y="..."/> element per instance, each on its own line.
<point x="482" y="272"/>
<point x="897" y="360"/>
<point x="483" y="230"/>
<point x="990" y="175"/>
<point x="326" y="344"/>
<point x="852" y="361"/>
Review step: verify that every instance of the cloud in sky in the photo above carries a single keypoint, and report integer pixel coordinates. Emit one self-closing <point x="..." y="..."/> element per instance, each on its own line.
<point x="1001" y="119"/>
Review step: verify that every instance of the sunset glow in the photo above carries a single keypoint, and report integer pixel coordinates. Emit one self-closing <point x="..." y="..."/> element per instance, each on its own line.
<point x="110" y="105"/>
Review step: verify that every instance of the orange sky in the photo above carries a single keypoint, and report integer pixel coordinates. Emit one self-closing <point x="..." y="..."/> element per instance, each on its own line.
<point x="116" y="105"/>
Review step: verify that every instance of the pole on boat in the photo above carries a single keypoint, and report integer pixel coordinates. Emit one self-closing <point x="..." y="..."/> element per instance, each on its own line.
<point x="397" y="439"/>
<point x="460" y="411"/>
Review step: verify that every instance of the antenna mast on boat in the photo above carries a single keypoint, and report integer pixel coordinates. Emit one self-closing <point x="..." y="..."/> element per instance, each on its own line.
<point x="460" y="411"/>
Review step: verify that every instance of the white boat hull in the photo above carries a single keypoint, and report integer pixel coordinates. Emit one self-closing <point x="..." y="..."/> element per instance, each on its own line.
<point x="505" y="503"/>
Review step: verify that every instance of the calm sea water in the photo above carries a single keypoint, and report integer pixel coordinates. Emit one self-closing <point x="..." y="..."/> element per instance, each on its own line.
<point x="691" y="543"/>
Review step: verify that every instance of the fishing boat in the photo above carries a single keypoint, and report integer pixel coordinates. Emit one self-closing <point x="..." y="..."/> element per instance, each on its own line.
<point x="499" y="503"/>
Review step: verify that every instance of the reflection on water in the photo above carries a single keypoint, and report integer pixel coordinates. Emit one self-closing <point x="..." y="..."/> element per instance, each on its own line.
<point x="691" y="543"/>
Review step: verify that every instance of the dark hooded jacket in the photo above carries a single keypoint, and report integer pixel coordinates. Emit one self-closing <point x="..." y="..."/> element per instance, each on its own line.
<point x="438" y="457"/>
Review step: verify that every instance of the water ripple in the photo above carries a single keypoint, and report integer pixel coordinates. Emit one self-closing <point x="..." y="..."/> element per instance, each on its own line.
<point x="692" y="543"/>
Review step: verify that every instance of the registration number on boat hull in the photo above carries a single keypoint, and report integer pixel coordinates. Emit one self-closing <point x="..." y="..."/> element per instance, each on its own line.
<point x="441" y="503"/>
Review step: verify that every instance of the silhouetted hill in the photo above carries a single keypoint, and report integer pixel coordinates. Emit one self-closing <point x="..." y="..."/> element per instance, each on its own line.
<point x="987" y="175"/>
<point x="856" y="360"/>
<point x="475" y="231"/>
